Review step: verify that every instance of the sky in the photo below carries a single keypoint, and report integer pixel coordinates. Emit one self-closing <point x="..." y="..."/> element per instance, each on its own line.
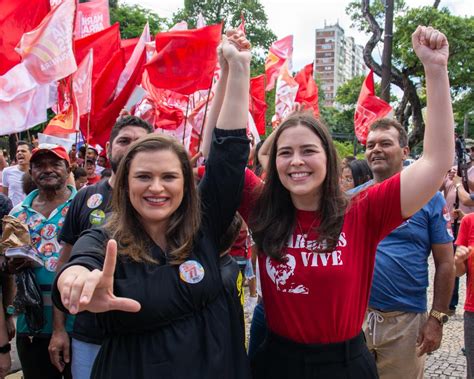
<point x="302" y="17"/>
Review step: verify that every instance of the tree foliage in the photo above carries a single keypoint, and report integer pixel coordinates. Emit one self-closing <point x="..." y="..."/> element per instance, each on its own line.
<point x="407" y="72"/>
<point x="132" y="19"/>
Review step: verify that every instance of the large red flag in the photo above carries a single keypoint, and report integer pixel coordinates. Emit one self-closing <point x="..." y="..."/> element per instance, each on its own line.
<point x="279" y="53"/>
<point x="185" y="59"/>
<point x="258" y="106"/>
<point x="16" y="18"/>
<point x="47" y="50"/>
<point x="307" y="94"/>
<point x="104" y="44"/>
<point x="102" y="120"/>
<point x="92" y="17"/>
<point x="369" y="109"/>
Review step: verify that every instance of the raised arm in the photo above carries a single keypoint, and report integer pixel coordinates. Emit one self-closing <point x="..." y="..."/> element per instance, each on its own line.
<point x="421" y="180"/>
<point x="216" y="106"/>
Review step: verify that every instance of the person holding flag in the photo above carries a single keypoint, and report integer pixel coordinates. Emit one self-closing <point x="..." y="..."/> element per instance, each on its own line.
<point x="151" y="273"/>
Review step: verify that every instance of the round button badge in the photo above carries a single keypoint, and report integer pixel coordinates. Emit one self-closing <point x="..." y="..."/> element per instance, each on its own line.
<point x="95" y="200"/>
<point x="191" y="272"/>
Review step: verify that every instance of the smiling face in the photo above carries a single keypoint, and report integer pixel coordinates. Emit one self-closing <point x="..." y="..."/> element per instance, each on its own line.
<point x="301" y="164"/>
<point x="49" y="172"/>
<point x="384" y="154"/>
<point x="156" y="186"/>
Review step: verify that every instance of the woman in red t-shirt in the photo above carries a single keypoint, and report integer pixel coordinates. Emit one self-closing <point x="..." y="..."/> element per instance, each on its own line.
<point x="464" y="262"/>
<point x="317" y="247"/>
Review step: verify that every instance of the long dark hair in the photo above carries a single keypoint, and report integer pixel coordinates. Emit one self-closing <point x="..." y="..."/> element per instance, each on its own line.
<point x="274" y="217"/>
<point x="125" y="225"/>
<point x="361" y="172"/>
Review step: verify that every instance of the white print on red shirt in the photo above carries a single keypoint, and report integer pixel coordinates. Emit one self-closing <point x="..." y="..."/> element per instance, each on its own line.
<point x="283" y="273"/>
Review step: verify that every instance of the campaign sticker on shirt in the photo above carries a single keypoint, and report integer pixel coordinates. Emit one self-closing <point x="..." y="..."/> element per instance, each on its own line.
<point x="35" y="238"/>
<point x="97" y="217"/>
<point x="51" y="264"/>
<point x="61" y="222"/>
<point x="64" y="211"/>
<point x="191" y="272"/>
<point x="49" y="231"/>
<point x="48" y="249"/>
<point x="95" y="200"/>
<point x="34" y="221"/>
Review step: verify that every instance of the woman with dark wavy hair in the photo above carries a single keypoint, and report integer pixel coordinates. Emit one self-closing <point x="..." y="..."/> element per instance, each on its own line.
<point x="152" y="272"/>
<point x="317" y="246"/>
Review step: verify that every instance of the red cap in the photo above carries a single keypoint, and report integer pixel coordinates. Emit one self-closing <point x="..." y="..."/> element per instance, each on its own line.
<point x="57" y="150"/>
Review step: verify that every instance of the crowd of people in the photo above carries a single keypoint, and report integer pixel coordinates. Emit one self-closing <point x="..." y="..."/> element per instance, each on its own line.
<point x="144" y="255"/>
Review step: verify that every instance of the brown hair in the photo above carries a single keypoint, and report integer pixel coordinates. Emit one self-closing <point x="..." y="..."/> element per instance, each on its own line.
<point x="273" y="219"/>
<point x="387" y="123"/>
<point x="125" y="225"/>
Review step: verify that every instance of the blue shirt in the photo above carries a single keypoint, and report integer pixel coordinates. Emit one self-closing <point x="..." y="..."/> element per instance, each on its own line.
<point x="44" y="234"/>
<point x="401" y="263"/>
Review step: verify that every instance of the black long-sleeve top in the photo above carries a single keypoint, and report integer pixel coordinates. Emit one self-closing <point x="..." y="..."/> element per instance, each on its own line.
<point x="183" y="330"/>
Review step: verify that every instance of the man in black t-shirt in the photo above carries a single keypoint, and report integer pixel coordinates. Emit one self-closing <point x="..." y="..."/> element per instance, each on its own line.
<point x="88" y="210"/>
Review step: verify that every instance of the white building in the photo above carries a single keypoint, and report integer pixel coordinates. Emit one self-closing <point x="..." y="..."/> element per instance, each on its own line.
<point x="337" y="60"/>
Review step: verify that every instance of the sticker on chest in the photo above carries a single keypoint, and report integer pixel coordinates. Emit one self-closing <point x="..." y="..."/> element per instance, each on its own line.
<point x="191" y="272"/>
<point x="95" y="200"/>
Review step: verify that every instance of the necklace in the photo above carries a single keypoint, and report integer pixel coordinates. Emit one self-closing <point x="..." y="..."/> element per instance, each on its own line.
<point x="306" y="235"/>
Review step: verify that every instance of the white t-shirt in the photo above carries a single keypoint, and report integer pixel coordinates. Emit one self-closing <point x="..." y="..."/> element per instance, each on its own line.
<point x="12" y="179"/>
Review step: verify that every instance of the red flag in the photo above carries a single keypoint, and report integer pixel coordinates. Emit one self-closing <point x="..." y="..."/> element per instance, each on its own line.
<point x="307" y="94"/>
<point x="280" y="52"/>
<point x="63" y="124"/>
<point x="92" y="17"/>
<point x="104" y="44"/>
<point x="102" y="120"/>
<point x="369" y="109"/>
<point x="168" y="117"/>
<point x="47" y="50"/>
<point x="285" y="95"/>
<point x="16" y="18"/>
<point x="82" y="84"/>
<point x="258" y="106"/>
<point x="128" y="45"/>
<point x="185" y="59"/>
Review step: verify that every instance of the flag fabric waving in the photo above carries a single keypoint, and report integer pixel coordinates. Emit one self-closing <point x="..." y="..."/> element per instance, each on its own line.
<point x="279" y="53"/>
<point x="258" y="106"/>
<point x="185" y="59"/>
<point x="47" y="50"/>
<point x="16" y="18"/>
<point x="285" y="96"/>
<point x="92" y="17"/>
<point x="307" y="94"/>
<point x="369" y="109"/>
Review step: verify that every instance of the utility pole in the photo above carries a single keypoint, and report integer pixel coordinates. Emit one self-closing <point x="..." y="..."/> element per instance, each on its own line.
<point x="387" y="51"/>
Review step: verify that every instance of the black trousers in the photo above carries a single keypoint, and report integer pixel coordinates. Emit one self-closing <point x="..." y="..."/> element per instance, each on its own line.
<point x="34" y="359"/>
<point x="279" y="358"/>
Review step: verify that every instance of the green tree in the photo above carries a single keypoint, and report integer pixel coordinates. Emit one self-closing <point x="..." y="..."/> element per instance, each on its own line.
<point x="132" y="19"/>
<point x="407" y="72"/>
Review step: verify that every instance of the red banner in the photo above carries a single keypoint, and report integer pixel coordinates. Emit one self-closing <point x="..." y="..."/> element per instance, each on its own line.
<point x="369" y="109"/>
<point x="17" y="17"/>
<point x="92" y="17"/>
<point x="307" y="94"/>
<point x="258" y="106"/>
<point x="185" y="59"/>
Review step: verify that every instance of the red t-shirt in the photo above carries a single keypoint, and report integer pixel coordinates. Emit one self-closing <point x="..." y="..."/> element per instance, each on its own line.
<point x="93" y="180"/>
<point x="322" y="297"/>
<point x="466" y="238"/>
<point x="240" y="248"/>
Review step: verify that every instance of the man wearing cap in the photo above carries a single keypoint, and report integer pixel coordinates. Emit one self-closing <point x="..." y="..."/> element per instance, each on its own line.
<point x="89" y="210"/>
<point x="92" y="176"/>
<point x="44" y="211"/>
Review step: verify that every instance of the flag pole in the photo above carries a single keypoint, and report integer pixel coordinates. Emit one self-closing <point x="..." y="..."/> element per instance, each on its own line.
<point x="205" y="114"/>
<point x="185" y="121"/>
